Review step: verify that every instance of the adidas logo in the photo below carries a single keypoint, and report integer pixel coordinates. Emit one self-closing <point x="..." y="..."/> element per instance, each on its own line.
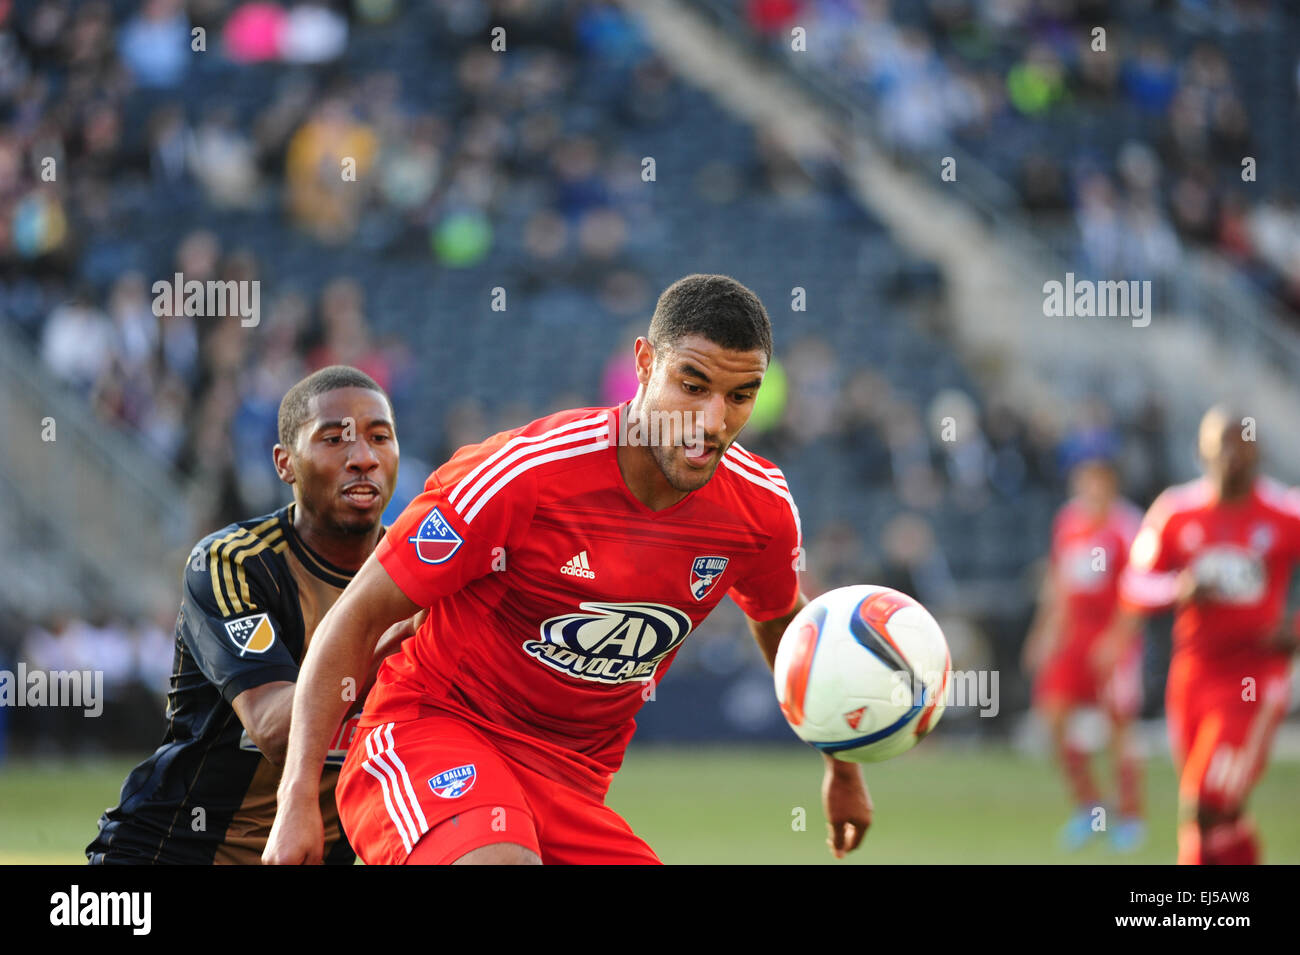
<point x="577" y="566"/>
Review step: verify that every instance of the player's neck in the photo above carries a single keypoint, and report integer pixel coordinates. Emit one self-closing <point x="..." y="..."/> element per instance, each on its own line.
<point x="1095" y="512"/>
<point x="644" y="480"/>
<point x="1233" y="493"/>
<point x="345" y="551"/>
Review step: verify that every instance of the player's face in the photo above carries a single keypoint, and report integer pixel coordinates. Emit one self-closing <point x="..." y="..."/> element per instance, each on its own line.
<point x="344" y="461"/>
<point x="702" y="395"/>
<point x="1095" y="484"/>
<point x="1230" y="459"/>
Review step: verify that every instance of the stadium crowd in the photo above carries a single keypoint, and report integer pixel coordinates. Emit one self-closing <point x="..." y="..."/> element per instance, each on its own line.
<point x="1129" y="145"/>
<point x="232" y="163"/>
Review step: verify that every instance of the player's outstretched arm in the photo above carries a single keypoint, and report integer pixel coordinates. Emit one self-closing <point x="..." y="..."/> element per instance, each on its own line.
<point x="336" y="665"/>
<point x="1124" y="629"/>
<point x="1045" y="628"/>
<point x="845" y="798"/>
<point x="767" y="633"/>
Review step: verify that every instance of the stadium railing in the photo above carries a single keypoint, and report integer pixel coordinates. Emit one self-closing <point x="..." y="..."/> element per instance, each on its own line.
<point x="114" y="518"/>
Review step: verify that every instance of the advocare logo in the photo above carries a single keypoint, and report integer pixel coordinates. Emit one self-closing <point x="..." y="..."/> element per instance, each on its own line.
<point x="610" y="642"/>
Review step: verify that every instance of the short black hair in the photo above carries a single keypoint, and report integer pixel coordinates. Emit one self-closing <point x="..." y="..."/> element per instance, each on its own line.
<point x="715" y="306"/>
<point x="294" y="406"/>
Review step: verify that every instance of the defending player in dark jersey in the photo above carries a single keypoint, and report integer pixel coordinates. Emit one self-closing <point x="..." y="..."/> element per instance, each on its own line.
<point x="563" y="563"/>
<point x="253" y="595"/>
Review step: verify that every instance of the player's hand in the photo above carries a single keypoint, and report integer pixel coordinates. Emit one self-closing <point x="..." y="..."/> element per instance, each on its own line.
<point x="393" y="637"/>
<point x="1192" y="589"/>
<point x="847" y="804"/>
<point x="1037" y="648"/>
<point x="1283" y="639"/>
<point x="298" y="835"/>
<point x="1105" y="655"/>
<point x="1031" y="654"/>
<point x="389" y="643"/>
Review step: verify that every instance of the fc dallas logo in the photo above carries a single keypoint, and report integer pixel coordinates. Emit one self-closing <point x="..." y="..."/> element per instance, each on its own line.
<point x="705" y="572"/>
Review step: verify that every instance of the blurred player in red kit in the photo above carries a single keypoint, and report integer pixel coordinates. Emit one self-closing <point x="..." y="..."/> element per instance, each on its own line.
<point x="562" y="563"/>
<point x="1091" y="536"/>
<point x="1220" y="550"/>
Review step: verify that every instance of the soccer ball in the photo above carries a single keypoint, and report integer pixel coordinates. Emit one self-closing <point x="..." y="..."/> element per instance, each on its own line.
<point x="861" y="673"/>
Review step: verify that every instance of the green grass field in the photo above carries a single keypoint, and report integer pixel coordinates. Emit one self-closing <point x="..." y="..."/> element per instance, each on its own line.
<point x="697" y="805"/>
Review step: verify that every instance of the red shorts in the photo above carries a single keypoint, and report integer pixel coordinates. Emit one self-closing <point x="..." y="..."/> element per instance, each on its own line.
<point x="438" y="778"/>
<point x="1221" y="729"/>
<point x="1068" y="677"/>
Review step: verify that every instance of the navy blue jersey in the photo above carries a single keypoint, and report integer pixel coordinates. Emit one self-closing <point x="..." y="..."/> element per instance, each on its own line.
<point x="253" y="595"/>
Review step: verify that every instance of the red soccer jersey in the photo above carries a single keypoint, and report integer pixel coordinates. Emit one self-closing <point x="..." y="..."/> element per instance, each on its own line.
<point x="557" y="598"/>
<point x="1087" y="559"/>
<point x="1247" y="548"/>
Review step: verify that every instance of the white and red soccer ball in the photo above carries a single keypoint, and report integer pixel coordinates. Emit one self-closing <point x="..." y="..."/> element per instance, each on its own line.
<point x="862" y="673"/>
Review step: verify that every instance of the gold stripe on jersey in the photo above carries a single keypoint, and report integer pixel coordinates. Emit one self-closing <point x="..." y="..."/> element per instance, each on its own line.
<point x="214" y="569"/>
<point x="275" y="541"/>
<point x="219" y="559"/>
<point x="249" y="544"/>
<point x="244" y="538"/>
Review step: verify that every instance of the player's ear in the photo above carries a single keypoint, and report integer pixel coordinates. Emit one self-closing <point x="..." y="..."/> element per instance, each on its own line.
<point x="283" y="463"/>
<point x="645" y="360"/>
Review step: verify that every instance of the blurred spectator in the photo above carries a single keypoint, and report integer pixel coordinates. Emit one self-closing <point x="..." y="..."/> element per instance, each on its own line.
<point x="254" y="31"/>
<point x="312" y="33"/>
<point x="618" y="382"/>
<point x="1149" y="79"/>
<point x="328" y="168"/>
<point x="914" y="563"/>
<point x="155" y="44"/>
<point x="813" y="390"/>
<point x="222" y="159"/>
<point x="347" y="336"/>
<point x="1037" y="83"/>
<point x="78" y="343"/>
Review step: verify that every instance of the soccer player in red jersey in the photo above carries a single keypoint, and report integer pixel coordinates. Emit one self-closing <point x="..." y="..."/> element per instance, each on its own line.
<point x="562" y="564"/>
<point x="1220" y="550"/>
<point x="1091" y="537"/>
